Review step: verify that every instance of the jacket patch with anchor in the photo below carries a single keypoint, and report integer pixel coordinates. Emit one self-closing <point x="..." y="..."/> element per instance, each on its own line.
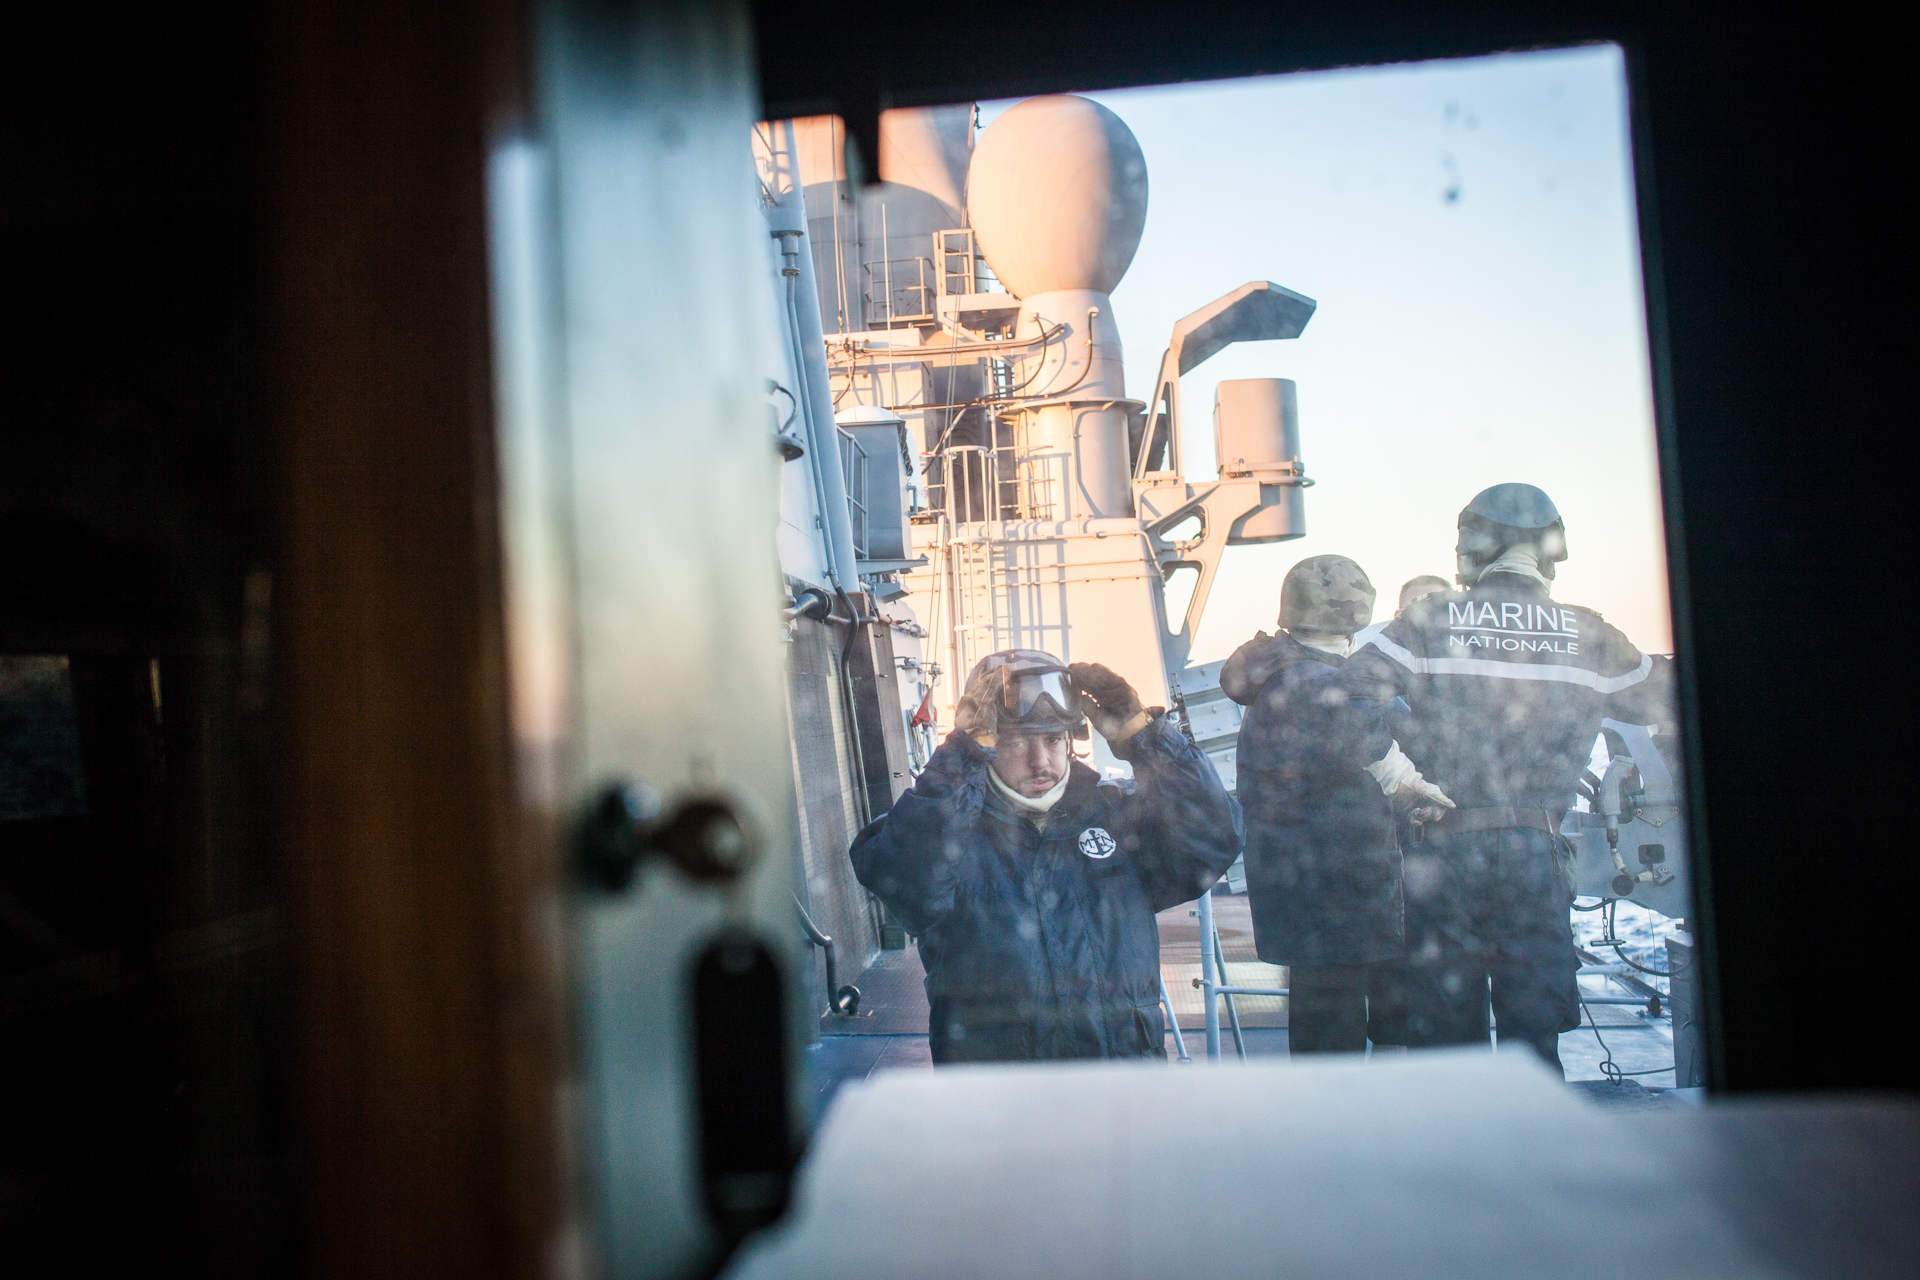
<point x="1096" y="842"/>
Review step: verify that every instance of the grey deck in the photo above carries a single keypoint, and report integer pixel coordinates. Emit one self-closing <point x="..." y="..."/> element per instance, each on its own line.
<point x="894" y="1004"/>
<point x="893" y="999"/>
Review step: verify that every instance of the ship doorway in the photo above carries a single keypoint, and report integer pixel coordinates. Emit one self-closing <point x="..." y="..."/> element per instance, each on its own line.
<point x="932" y="406"/>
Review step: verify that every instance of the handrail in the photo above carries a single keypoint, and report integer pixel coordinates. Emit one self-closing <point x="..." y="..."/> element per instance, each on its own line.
<point x="814" y="935"/>
<point x="825" y="943"/>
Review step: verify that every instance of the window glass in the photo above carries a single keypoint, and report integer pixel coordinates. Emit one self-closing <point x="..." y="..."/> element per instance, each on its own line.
<point x="1316" y="411"/>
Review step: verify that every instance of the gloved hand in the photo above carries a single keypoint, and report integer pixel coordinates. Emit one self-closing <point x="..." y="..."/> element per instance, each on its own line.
<point x="1420" y="802"/>
<point x="1412" y="796"/>
<point x="977" y="714"/>
<point x="1106" y="699"/>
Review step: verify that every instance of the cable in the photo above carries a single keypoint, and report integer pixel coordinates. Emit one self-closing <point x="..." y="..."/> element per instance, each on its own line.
<point x="1608" y="1067"/>
<point x="1045" y="340"/>
<point x="1093" y="311"/>
<point x="792" y="400"/>
<point x="939" y="446"/>
<point x="1620" y="947"/>
<point x="976" y="349"/>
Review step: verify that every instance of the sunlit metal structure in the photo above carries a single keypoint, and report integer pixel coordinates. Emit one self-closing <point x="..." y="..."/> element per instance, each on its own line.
<point x="1046" y="508"/>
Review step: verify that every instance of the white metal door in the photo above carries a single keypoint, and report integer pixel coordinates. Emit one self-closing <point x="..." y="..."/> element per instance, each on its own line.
<point x="640" y="493"/>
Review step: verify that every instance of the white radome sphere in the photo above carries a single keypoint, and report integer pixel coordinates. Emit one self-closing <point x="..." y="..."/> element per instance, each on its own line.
<point x="1057" y="193"/>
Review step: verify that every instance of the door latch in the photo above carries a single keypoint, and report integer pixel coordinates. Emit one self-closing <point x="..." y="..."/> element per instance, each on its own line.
<point x="623" y="826"/>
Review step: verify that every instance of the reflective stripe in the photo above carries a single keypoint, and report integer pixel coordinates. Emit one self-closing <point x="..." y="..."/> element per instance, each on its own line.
<point x="1510" y="670"/>
<point x="1379" y="641"/>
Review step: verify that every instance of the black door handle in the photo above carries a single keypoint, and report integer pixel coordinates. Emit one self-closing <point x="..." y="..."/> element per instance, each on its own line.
<point x="704" y="837"/>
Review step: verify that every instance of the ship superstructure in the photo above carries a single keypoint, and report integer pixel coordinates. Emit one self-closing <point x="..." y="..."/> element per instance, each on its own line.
<point x="1047" y="508"/>
<point x="967" y="471"/>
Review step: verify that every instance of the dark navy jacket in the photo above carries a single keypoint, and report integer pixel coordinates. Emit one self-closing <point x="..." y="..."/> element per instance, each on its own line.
<point x="1323" y="864"/>
<point x="1043" y="945"/>
<point x="1507" y="688"/>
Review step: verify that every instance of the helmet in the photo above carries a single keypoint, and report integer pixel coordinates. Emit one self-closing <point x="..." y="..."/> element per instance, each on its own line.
<point x="1037" y="693"/>
<point x="1328" y="595"/>
<point x="1504" y="517"/>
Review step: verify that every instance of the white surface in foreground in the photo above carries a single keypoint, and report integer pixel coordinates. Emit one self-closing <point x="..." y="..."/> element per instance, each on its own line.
<point x="1439" y="1164"/>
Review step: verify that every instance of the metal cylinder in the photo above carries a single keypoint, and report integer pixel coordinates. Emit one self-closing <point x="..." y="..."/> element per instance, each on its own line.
<point x="1072" y="416"/>
<point x="1082" y="358"/>
<point x="1256" y="434"/>
<point x="1073" y="461"/>
<point x="1256" y="426"/>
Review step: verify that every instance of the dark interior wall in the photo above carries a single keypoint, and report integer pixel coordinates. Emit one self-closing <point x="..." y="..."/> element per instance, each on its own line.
<point x="267" y="994"/>
<point x="1770" y="157"/>
<point x="1780" y="257"/>
<point x="143" y="992"/>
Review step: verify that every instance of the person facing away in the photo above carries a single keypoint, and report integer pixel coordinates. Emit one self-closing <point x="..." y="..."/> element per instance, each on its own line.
<point x="1032" y="883"/>
<point x="1323" y="862"/>
<point x="1412" y="589"/>
<point x="1506" y="689"/>
<point x="1387" y="982"/>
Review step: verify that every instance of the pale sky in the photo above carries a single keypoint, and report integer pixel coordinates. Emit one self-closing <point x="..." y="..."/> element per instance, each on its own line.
<point x="1468" y="230"/>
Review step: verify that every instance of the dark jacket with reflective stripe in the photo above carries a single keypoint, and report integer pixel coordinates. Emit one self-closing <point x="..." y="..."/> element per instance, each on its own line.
<point x="1043" y="945"/>
<point x="1323" y="867"/>
<point x="1507" y="689"/>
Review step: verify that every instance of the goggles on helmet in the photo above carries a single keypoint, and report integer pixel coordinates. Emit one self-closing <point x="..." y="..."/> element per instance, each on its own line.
<point x="1036" y="692"/>
<point x="1031" y="692"/>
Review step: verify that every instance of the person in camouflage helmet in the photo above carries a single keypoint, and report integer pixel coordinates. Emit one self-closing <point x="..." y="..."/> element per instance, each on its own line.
<point x="1322" y="857"/>
<point x="1325" y="597"/>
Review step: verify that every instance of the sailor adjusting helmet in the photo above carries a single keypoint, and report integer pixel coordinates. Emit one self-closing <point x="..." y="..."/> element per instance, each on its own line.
<point x="1031" y="692"/>
<point x="1512" y="527"/>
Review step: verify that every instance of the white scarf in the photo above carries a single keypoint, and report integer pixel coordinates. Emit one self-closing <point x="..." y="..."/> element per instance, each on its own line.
<point x="1524" y="561"/>
<point x="1338" y="646"/>
<point x="1032" y="808"/>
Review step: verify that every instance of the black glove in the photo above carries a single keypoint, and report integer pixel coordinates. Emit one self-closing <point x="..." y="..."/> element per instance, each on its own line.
<point x="1108" y="701"/>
